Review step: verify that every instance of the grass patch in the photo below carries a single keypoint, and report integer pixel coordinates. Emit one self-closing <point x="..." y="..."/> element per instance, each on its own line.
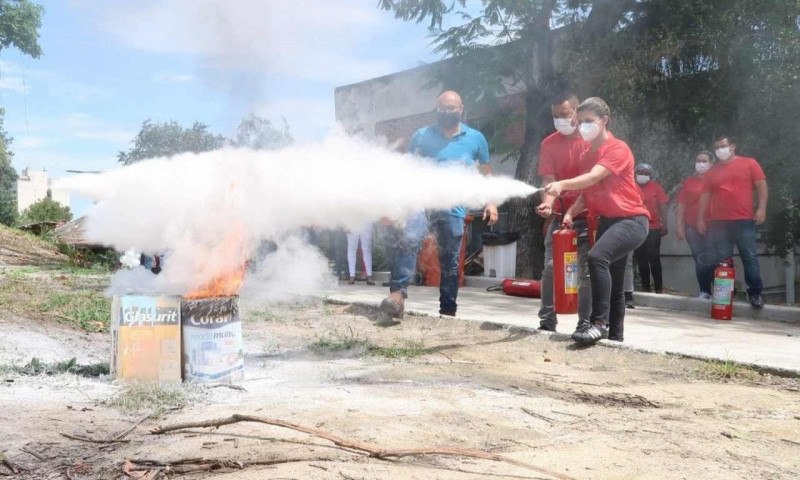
<point x="44" y="298"/>
<point x="727" y="370"/>
<point x="37" y="367"/>
<point x="407" y="348"/>
<point x="153" y="396"/>
<point x="339" y="339"/>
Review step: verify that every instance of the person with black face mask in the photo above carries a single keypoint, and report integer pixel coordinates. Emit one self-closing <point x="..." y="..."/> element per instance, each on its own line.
<point x="448" y="141"/>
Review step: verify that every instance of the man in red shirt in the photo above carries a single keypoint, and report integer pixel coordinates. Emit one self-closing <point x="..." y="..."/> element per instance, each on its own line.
<point x="648" y="255"/>
<point x="559" y="159"/>
<point x="728" y="190"/>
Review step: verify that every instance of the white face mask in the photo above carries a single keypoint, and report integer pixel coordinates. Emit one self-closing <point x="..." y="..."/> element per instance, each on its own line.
<point x="589" y="131"/>
<point x="701" y="167"/>
<point x="723" y="153"/>
<point x="642" y="179"/>
<point x="564" y="126"/>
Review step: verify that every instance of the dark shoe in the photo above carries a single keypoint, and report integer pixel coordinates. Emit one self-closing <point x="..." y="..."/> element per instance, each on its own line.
<point x="589" y="334"/>
<point x="370" y="281"/>
<point x="615" y="338"/>
<point x="659" y="291"/>
<point x="629" y="300"/>
<point x="547" y="327"/>
<point x="393" y="306"/>
<point x="447" y="313"/>
<point x="352" y="281"/>
<point x="756" y="300"/>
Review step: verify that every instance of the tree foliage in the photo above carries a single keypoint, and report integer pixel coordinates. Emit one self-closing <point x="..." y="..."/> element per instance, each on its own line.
<point x="8" y="178"/>
<point x="168" y="139"/>
<point x="45" y="210"/>
<point x="259" y="133"/>
<point x="20" y="21"/>
<point x="675" y="72"/>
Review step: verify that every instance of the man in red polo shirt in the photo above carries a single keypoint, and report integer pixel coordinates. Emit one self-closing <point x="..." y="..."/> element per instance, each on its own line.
<point x="728" y="189"/>
<point x="559" y="159"/>
<point x="648" y="255"/>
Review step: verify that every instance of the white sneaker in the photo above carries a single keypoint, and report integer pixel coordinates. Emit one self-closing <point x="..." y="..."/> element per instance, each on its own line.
<point x="703" y="296"/>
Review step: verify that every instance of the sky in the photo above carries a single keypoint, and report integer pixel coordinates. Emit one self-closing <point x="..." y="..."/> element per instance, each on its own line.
<point x="108" y="66"/>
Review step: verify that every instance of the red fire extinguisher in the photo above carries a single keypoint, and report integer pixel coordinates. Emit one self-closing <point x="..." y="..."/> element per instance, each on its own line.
<point x="519" y="287"/>
<point x="565" y="271"/>
<point x="722" y="300"/>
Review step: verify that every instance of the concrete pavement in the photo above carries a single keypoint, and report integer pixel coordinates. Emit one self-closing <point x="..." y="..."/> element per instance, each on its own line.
<point x="763" y="343"/>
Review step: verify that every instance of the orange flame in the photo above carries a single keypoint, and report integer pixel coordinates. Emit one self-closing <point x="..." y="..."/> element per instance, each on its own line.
<point x="228" y="283"/>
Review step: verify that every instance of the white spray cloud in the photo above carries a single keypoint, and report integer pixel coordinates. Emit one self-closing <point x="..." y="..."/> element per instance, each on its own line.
<point x="190" y="204"/>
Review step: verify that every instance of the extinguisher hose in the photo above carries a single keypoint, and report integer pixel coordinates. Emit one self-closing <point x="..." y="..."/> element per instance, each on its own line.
<point x="495" y="288"/>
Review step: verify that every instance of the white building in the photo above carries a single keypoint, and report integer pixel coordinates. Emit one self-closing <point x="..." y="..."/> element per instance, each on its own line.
<point x="35" y="185"/>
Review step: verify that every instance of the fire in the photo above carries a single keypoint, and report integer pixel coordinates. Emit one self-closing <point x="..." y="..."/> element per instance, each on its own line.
<point x="232" y="252"/>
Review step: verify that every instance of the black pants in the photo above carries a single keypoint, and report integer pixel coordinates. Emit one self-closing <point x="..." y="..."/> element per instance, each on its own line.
<point x="648" y="257"/>
<point x="616" y="238"/>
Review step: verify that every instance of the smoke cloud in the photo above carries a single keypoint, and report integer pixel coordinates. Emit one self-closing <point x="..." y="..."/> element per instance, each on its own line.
<point x="190" y="205"/>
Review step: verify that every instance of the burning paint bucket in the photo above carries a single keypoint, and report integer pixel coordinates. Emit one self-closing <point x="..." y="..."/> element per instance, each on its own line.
<point x="146" y="337"/>
<point x="212" y="340"/>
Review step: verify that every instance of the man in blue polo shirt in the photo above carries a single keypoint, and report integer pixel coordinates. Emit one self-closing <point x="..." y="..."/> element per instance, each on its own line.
<point x="448" y="141"/>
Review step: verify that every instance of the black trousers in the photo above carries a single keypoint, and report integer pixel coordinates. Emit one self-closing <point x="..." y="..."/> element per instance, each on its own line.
<point x="648" y="257"/>
<point x="616" y="238"/>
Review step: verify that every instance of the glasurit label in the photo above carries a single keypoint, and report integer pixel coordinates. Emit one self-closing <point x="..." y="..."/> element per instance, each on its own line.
<point x="144" y="310"/>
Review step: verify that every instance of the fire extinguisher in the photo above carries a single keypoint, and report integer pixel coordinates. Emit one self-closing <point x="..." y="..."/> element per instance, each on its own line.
<point x="722" y="300"/>
<point x="565" y="271"/>
<point x="519" y="287"/>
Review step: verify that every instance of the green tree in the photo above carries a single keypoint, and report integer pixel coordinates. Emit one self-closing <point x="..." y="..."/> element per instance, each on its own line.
<point x="8" y="178"/>
<point x="259" y="133"/>
<point x="45" y="210"/>
<point x="167" y="139"/>
<point x="20" y="21"/>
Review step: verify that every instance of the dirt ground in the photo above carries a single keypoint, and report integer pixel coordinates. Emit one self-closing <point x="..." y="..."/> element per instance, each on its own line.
<point x="598" y="413"/>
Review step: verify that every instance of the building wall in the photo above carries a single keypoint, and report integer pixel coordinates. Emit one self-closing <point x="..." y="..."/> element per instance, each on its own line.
<point x="33" y="185"/>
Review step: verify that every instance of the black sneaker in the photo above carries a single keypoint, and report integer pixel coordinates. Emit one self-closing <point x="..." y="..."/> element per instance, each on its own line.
<point x="756" y="300"/>
<point x="447" y="313"/>
<point x="547" y="327"/>
<point x="589" y="334"/>
<point x="629" y="300"/>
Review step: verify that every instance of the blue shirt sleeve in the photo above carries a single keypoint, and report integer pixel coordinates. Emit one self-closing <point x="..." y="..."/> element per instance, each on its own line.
<point x="483" y="150"/>
<point x="414" y="146"/>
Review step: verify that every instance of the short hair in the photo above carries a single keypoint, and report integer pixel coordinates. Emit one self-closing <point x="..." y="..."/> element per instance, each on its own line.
<point x="596" y="105"/>
<point x="706" y="153"/>
<point x="721" y="137"/>
<point x="566" y="96"/>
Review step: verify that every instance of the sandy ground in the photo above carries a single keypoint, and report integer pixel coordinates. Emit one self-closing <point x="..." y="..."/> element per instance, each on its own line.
<point x="598" y="413"/>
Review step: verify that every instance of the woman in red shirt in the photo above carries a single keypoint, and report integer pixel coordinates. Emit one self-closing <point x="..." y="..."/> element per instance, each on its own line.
<point x="686" y="223"/>
<point x="609" y="191"/>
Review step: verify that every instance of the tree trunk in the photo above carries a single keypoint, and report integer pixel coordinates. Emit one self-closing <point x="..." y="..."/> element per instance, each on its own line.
<point x="522" y="218"/>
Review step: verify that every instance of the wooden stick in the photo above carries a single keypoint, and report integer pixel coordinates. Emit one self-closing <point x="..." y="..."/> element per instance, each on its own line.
<point x="81" y="438"/>
<point x="126" y="432"/>
<point x="370" y="450"/>
<point x="538" y="415"/>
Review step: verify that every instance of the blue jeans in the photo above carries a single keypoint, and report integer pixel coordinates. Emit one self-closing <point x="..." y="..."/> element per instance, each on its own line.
<point x="547" y="313"/>
<point x="704" y="257"/>
<point x="448" y="230"/>
<point x="724" y="234"/>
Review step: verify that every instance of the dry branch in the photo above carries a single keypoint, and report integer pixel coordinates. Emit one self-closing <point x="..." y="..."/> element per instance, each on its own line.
<point x="371" y="450"/>
<point x="82" y="438"/>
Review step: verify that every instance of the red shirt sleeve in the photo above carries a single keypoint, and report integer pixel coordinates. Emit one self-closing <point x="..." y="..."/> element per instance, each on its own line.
<point x="616" y="158"/>
<point x="756" y="172"/>
<point x="546" y="164"/>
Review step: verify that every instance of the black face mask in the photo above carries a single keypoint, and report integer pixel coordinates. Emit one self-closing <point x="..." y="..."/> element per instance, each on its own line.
<point x="448" y="119"/>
